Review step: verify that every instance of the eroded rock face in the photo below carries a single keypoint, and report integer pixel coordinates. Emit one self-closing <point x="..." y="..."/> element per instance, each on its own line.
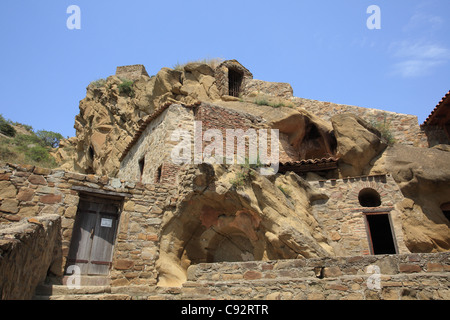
<point x="357" y="143"/>
<point x="224" y="222"/>
<point x="304" y="136"/>
<point x="423" y="176"/>
<point x="109" y="118"/>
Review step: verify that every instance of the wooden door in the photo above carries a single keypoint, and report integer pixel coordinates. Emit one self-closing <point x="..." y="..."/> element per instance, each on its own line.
<point x="93" y="236"/>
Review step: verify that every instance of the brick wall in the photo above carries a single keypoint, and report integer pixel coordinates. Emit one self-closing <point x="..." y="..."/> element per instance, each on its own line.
<point x="220" y="118"/>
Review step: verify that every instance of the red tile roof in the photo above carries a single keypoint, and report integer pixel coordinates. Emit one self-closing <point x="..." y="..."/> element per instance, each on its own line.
<point x="436" y="109"/>
<point x="309" y="165"/>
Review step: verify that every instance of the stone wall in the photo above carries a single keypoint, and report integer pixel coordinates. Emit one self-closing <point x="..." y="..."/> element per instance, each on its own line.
<point x="221" y="75"/>
<point x="28" y="250"/>
<point x="404" y="128"/>
<point x="339" y="212"/>
<point x="132" y="72"/>
<point x="155" y="147"/>
<point x="389" y="277"/>
<point x="255" y="87"/>
<point x="29" y="192"/>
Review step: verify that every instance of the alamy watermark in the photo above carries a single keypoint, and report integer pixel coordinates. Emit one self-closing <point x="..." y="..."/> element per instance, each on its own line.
<point x="374" y="21"/>
<point x="374" y="281"/>
<point x="73" y="22"/>
<point x="74" y="280"/>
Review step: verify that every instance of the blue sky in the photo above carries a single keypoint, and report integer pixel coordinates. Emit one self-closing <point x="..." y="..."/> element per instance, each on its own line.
<point x="323" y="48"/>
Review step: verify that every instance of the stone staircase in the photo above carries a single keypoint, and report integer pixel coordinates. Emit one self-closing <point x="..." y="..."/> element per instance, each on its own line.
<point x="90" y="288"/>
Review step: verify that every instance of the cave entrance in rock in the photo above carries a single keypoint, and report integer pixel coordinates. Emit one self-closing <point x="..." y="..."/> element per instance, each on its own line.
<point x="380" y="233"/>
<point x="230" y="248"/>
<point x="446" y="210"/>
<point x="234" y="82"/>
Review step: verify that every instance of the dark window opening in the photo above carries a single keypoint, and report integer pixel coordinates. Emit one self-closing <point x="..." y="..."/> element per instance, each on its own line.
<point x="369" y="198"/>
<point x="313" y="133"/>
<point x="158" y="174"/>
<point x="380" y="234"/>
<point x="141" y="168"/>
<point x="91" y="153"/>
<point x="446" y="210"/>
<point x="234" y="82"/>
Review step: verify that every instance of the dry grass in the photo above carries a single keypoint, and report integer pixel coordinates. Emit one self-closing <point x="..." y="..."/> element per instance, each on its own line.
<point x="271" y="101"/>
<point x="212" y="62"/>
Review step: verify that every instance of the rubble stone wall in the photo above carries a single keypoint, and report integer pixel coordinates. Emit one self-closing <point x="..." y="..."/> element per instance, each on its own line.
<point x="28" y="192"/>
<point x="132" y="72"/>
<point x="27" y="251"/>
<point x="390" y="277"/>
<point x="405" y="128"/>
<point x="158" y="136"/>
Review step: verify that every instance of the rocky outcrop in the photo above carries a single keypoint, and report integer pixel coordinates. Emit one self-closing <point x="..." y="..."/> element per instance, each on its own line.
<point x="357" y="143"/>
<point x="239" y="215"/>
<point x="423" y="176"/>
<point x="304" y="136"/>
<point x="109" y="115"/>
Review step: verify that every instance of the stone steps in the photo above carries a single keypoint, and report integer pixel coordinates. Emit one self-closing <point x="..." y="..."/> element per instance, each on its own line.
<point x="90" y="287"/>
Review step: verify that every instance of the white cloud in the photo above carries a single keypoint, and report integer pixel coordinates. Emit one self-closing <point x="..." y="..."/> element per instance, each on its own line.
<point x="423" y="21"/>
<point x="415" y="68"/>
<point x="417" y="58"/>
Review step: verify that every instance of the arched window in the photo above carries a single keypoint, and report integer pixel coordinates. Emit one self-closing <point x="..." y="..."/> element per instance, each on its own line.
<point x="369" y="197"/>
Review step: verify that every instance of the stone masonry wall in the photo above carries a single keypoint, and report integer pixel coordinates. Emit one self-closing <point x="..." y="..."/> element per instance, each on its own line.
<point x="342" y="216"/>
<point x="405" y="128"/>
<point x="155" y="147"/>
<point x="27" y="251"/>
<point x="390" y="277"/>
<point x="132" y="72"/>
<point x="31" y="192"/>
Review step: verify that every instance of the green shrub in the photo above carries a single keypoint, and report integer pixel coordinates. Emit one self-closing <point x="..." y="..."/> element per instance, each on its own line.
<point x="6" y="128"/>
<point x="126" y="88"/>
<point x="38" y="154"/>
<point x="49" y="138"/>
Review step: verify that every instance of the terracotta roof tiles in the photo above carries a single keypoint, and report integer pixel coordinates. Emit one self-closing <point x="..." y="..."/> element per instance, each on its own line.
<point x="438" y="106"/>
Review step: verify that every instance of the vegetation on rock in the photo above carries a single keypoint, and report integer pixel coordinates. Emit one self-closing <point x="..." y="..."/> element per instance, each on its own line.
<point x="28" y="147"/>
